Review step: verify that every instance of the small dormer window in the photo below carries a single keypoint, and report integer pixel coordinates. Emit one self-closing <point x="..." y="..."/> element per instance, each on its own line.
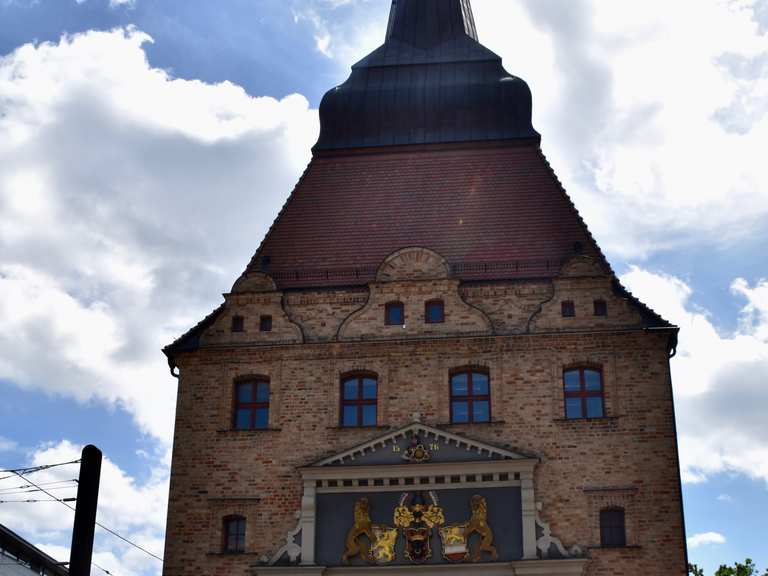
<point x="434" y="312"/>
<point x="265" y="323"/>
<point x="601" y="308"/>
<point x="394" y="314"/>
<point x="238" y="324"/>
<point x="568" y="309"/>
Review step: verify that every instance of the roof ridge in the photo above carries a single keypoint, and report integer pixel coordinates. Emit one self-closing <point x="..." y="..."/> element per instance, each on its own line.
<point x="252" y="262"/>
<point x="581" y="220"/>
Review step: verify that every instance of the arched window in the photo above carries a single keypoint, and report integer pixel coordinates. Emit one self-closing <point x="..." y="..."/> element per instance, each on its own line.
<point x="234" y="535"/>
<point x="394" y="314"/>
<point x="359" y="400"/>
<point x="613" y="531"/>
<point x="583" y="393"/>
<point x="251" y="404"/>
<point x="470" y="396"/>
<point x="434" y="312"/>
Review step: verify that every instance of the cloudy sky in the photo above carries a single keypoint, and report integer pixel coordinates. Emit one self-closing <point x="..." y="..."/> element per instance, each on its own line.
<point x="145" y="147"/>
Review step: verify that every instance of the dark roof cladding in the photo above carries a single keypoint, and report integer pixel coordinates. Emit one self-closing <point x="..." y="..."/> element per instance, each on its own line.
<point x="430" y="144"/>
<point x="492" y="211"/>
<point x="430" y="82"/>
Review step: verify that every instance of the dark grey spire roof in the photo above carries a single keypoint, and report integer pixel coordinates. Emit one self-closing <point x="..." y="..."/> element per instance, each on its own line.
<point x="430" y="82"/>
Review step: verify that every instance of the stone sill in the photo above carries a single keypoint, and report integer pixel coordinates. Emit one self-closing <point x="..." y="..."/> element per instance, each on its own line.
<point x="247" y="432"/>
<point x="470" y="424"/>
<point x="232" y="554"/>
<point x="583" y="421"/>
<point x="359" y="428"/>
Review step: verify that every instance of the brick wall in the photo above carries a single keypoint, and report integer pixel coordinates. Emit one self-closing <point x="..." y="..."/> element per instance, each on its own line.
<point x="515" y="330"/>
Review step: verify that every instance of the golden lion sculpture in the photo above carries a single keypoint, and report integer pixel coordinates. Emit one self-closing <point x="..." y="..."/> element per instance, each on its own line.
<point x="478" y="524"/>
<point x="362" y="527"/>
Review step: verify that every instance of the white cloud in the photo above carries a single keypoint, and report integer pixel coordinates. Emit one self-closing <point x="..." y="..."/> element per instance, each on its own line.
<point x="128" y="200"/>
<point x="719" y="379"/>
<point x="134" y="509"/>
<point x="7" y="445"/>
<point x="632" y="100"/>
<point x="345" y="37"/>
<point x="705" y="539"/>
<point x="725" y="498"/>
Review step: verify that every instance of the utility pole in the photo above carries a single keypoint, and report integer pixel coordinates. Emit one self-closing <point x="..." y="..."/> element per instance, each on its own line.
<point x="85" y="512"/>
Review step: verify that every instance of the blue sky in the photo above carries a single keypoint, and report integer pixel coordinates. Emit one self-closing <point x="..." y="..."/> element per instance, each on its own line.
<point x="146" y="146"/>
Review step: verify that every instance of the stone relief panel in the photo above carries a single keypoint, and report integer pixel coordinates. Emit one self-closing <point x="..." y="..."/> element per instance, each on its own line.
<point x="580" y="266"/>
<point x="254" y="282"/>
<point x="413" y="264"/>
<point x="262" y="321"/>
<point x="459" y="317"/>
<point x="508" y="305"/>
<point x="321" y="312"/>
<point x="585" y="296"/>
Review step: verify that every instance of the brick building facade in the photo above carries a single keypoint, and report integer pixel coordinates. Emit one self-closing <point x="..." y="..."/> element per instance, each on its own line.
<point x="428" y="366"/>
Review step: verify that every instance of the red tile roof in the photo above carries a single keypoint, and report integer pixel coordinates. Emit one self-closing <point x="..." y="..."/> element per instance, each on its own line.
<point x="492" y="211"/>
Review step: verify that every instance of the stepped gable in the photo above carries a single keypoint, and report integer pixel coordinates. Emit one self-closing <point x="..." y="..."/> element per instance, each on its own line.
<point x="430" y="82"/>
<point x="492" y="212"/>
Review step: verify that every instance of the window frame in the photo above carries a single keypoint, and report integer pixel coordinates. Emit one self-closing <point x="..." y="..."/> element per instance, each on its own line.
<point x="568" y="309"/>
<point x="583" y="394"/>
<point x="239" y="544"/>
<point x="358" y="402"/>
<point x="433" y="302"/>
<point x="265" y="323"/>
<point x="238" y="324"/>
<point x="470" y="398"/>
<point x="254" y="405"/>
<point x="613" y="533"/>
<point x="390" y="306"/>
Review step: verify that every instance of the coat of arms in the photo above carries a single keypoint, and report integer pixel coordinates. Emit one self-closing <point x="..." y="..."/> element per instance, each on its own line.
<point x="416" y="518"/>
<point x="382" y="538"/>
<point x="455" y="537"/>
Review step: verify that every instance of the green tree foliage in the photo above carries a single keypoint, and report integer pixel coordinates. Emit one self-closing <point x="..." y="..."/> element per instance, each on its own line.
<point x="746" y="569"/>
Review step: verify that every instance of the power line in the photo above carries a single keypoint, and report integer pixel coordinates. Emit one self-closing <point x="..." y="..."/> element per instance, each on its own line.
<point x="4" y="494"/>
<point x="23" y="486"/>
<point x="34" y="469"/>
<point x="121" y="537"/>
<point x="36" y="501"/>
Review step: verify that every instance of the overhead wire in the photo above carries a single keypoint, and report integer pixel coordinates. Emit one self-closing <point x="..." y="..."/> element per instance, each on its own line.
<point x="120" y="536"/>
<point x="36" y="501"/>
<point x="23" y="486"/>
<point x="31" y="470"/>
<point x="33" y="490"/>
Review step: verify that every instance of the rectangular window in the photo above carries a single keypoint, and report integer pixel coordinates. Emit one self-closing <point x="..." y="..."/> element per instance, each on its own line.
<point x="234" y="535"/>
<point x="265" y="324"/>
<point x="359" y="400"/>
<point x="613" y="533"/>
<point x="252" y="405"/>
<point x="238" y="324"/>
<point x="568" y="309"/>
<point x="584" y="395"/>
<point x="434" y="312"/>
<point x="470" y="397"/>
<point x="394" y="314"/>
<point x="601" y="308"/>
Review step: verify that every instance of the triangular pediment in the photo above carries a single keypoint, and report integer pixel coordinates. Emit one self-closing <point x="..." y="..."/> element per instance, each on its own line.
<point x="401" y="446"/>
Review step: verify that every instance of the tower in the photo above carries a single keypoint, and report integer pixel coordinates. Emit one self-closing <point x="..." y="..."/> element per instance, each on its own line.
<point x="428" y="361"/>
